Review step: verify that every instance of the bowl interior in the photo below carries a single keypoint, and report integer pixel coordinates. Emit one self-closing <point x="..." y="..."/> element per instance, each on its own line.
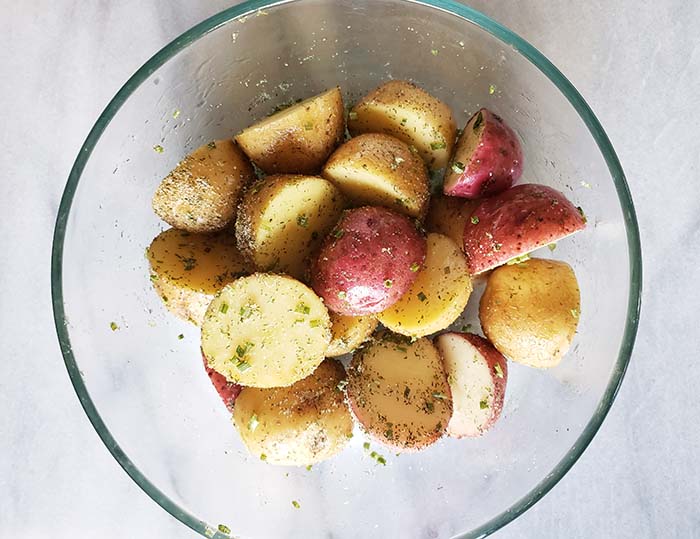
<point x="146" y="389"/>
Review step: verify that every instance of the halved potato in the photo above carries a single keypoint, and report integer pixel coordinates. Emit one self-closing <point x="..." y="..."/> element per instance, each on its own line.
<point x="438" y="295"/>
<point x="298" y="425"/>
<point x="529" y="311"/>
<point x="349" y="332"/>
<point x="448" y="216"/>
<point x="265" y="331"/>
<point x="187" y="270"/>
<point x="379" y="170"/>
<point x="399" y="393"/>
<point x="403" y="110"/>
<point x="201" y="193"/>
<point x="299" y="139"/>
<point x="517" y="221"/>
<point x="284" y="218"/>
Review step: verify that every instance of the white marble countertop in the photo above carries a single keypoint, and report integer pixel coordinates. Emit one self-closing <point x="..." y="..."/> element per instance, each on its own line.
<point x="638" y="65"/>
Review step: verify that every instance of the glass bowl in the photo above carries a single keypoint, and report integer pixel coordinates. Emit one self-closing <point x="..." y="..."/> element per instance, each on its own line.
<point x="143" y="387"/>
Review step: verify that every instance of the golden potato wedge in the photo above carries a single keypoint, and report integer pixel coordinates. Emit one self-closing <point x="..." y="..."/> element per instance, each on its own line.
<point x="378" y="170"/>
<point x="403" y="110"/>
<point x="349" y="332"/>
<point x="187" y="270"/>
<point x="284" y="218"/>
<point x="201" y="193"/>
<point x="298" y="425"/>
<point x="265" y="331"/>
<point x="438" y="295"/>
<point x="448" y="215"/>
<point x="399" y="393"/>
<point x="529" y="311"/>
<point x="299" y="139"/>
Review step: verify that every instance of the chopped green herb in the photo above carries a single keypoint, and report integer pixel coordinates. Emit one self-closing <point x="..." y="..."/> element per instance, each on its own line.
<point x="414" y="267"/>
<point x="389" y="434"/>
<point x="158" y="148"/>
<point x="585" y="184"/>
<point x="263" y="456"/>
<point x="308" y="126"/>
<point x="338" y="233"/>
<point x="342" y="385"/>
<point x="381" y="460"/>
<point x="223" y="528"/>
<point x="153" y="277"/>
<point x="388" y="283"/>
<point x="518" y="259"/>
<point x="403" y="121"/>
<point x="583" y="215"/>
<point x="434" y="52"/>
<point x="246" y="311"/>
<point x="574" y="313"/>
<point x="303" y="221"/>
<point x="422" y="296"/>
<point x="438" y="395"/>
<point x="296" y="504"/>
<point x="180" y="337"/>
<point x="479" y="120"/>
<point x="212" y="145"/>
<point x="352" y="115"/>
<point x="474" y="219"/>
<point x="341" y="294"/>
<point x="492" y="89"/>
<point x="253" y="423"/>
<point x="242" y="350"/>
<point x="552" y="246"/>
<point x="308" y="467"/>
<point x="224" y="308"/>
<point x="458" y="167"/>
<point x="242" y="365"/>
<point x="373" y="454"/>
<point x="314" y="323"/>
<point x="349" y="435"/>
<point x="497" y="369"/>
<point x="365" y="445"/>
<point x="497" y="246"/>
<point x="302" y="308"/>
<point x="113" y="326"/>
<point x="483" y="404"/>
<point x="440" y="145"/>
<point x="467" y="327"/>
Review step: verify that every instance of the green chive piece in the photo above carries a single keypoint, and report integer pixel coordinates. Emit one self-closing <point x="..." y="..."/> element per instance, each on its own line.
<point x="434" y="52"/>
<point x="497" y="369"/>
<point x="414" y="267"/>
<point x="303" y="221"/>
<point x="492" y="89"/>
<point x="381" y="460"/>
<point x="308" y="468"/>
<point x="243" y="365"/>
<point x="224" y="308"/>
<point x="113" y="326"/>
<point x="253" y="423"/>
<point x="440" y="145"/>
<point x="296" y="504"/>
<point x="388" y="283"/>
<point x="223" y="528"/>
<point x="474" y="219"/>
<point x="180" y="337"/>
<point x="365" y="445"/>
<point x="263" y="456"/>
<point x="352" y="115"/>
<point x="158" y="148"/>
<point x="302" y="308"/>
<point x="422" y="296"/>
<point x="483" y="404"/>
<point x="552" y="246"/>
<point x="458" y="167"/>
<point x="438" y="395"/>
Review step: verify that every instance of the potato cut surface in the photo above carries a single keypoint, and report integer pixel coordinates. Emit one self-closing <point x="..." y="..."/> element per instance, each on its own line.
<point x="438" y="295"/>
<point x="530" y="311"/>
<point x="399" y="393"/>
<point x="349" y="332"/>
<point x="448" y="216"/>
<point x="409" y="113"/>
<point x="187" y="269"/>
<point x="299" y="139"/>
<point x="201" y="193"/>
<point x="283" y="219"/>
<point x="379" y="170"/>
<point x="298" y="425"/>
<point x="265" y="331"/>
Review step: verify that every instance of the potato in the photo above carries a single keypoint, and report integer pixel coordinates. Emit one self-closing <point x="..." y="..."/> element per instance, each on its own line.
<point x="298" y="425"/>
<point x="226" y="390"/>
<point x="368" y="262"/>
<point x="438" y="295"/>
<point x="349" y="332"/>
<point x="379" y="170"/>
<point x="283" y="219"/>
<point x="201" y="193"/>
<point x="187" y="270"/>
<point x="398" y="392"/>
<point x="299" y="139"/>
<point x="405" y="111"/>
<point x="488" y="158"/>
<point x="265" y="331"/>
<point x="517" y="221"/>
<point x="529" y="311"/>
<point x="477" y="374"/>
<point x="448" y="216"/>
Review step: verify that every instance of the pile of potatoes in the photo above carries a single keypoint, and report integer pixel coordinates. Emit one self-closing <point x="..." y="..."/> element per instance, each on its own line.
<point x="336" y="246"/>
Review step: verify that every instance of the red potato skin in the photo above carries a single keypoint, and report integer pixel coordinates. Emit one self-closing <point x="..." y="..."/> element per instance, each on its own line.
<point x="364" y="264"/>
<point x="227" y="391"/>
<point x="495" y="164"/>
<point x="515" y="222"/>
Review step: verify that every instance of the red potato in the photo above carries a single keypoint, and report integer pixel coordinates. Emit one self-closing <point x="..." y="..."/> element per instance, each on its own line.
<point x="488" y="158"/>
<point x="477" y="374"/>
<point x="516" y="222"/>
<point x="368" y="261"/>
<point x="228" y="391"/>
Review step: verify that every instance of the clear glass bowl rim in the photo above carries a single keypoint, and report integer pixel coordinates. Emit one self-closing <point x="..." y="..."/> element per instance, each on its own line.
<point x="508" y="38"/>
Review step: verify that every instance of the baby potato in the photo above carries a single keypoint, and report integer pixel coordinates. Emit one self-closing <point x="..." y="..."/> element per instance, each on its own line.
<point x="399" y="393"/>
<point x="298" y="425"/>
<point x="530" y="311"/>
<point x="379" y="170"/>
<point x="299" y="139"/>
<point x="187" y="270"/>
<point x="201" y="193"/>
<point x="265" y="330"/>
<point x="284" y="218"/>
<point x="349" y="332"/>
<point x="438" y="295"/>
<point x="403" y="110"/>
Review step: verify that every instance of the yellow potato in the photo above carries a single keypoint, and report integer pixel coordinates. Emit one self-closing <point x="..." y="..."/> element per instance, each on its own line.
<point x="379" y="170"/>
<point x="299" y="139"/>
<point x="187" y="270"/>
<point x="529" y="311"/>
<point x="409" y="113"/>
<point x="448" y="215"/>
<point x="265" y="331"/>
<point x="298" y="425"/>
<point x="398" y="391"/>
<point x="349" y="332"/>
<point x="438" y="295"/>
<point x="283" y="219"/>
<point x="201" y="193"/>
